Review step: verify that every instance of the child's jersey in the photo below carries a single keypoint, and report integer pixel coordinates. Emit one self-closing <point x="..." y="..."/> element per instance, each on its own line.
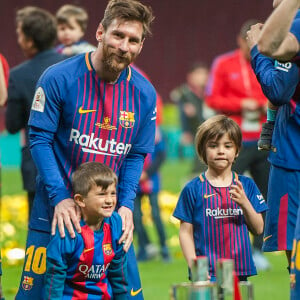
<point x="76" y="48"/>
<point x="77" y="117"/>
<point x="90" y="266"/>
<point x="219" y="226"/>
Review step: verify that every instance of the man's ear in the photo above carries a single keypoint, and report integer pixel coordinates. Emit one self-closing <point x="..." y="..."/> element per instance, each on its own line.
<point x="141" y="47"/>
<point x="79" y="200"/>
<point x="99" y="33"/>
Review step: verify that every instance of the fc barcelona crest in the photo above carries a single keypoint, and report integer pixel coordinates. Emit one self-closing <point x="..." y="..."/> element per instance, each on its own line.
<point x="107" y="249"/>
<point x="27" y="283"/>
<point x="126" y="119"/>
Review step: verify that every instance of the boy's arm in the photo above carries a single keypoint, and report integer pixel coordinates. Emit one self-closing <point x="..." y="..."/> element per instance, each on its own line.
<point x="55" y="279"/>
<point x="118" y="277"/>
<point x="56" y="270"/>
<point x="186" y="240"/>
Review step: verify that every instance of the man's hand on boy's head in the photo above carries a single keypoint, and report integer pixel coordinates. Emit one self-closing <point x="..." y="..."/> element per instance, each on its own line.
<point x="127" y="227"/>
<point x="237" y="193"/>
<point x="66" y="213"/>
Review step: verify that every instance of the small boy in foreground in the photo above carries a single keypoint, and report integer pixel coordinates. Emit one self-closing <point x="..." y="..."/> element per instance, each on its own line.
<point x="93" y="265"/>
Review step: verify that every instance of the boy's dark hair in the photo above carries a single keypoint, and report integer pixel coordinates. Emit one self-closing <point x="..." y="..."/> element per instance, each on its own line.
<point x="213" y="129"/>
<point x="128" y="10"/>
<point x="68" y="11"/>
<point x="246" y="26"/>
<point x="92" y="173"/>
<point x="39" y="25"/>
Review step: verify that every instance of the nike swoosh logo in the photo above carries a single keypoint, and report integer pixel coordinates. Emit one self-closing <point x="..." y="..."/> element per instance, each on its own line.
<point x="89" y="249"/>
<point x="267" y="237"/>
<point x="85" y="111"/>
<point x="134" y="293"/>
<point x="208" y="196"/>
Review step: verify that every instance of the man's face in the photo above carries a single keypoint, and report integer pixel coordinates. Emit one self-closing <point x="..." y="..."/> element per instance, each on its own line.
<point x="121" y="43"/>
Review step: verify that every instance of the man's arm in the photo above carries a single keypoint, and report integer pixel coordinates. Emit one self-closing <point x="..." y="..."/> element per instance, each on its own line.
<point x="278" y="80"/>
<point x="275" y="39"/>
<point x="129" y="176"/>
<point x="65" y="212"/>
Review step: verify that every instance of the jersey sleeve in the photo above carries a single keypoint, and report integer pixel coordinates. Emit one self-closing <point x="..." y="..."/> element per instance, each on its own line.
<point x="254" y="195"/>
<point x="56" y="271"/>
<point x="185" y="206"/>
<point x="130" y="173"/>
<point x="41" y="146"/>
<point x="43" y="123"/>
<point x="144" y="140"/>
<point x="295" y="29"/>
<point x="47" y="102"/>
<point x="278" y="80"/>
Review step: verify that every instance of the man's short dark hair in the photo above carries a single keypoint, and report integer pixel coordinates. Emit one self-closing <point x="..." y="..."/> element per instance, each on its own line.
<point x="246" y="26"/>
<point x="39" y="25"/>
<point x="128" y="10"/>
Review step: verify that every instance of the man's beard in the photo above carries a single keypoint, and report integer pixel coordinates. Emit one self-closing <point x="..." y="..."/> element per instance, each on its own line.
<point x="113" y="61"/>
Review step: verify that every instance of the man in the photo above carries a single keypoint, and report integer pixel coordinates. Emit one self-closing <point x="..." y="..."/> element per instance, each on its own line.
<point x="36" y="34"/>
<point x="279" y="39"/>
<point x="192" y="109"/>
<point x="234" y="90"/>
<point x="92" y="107"/>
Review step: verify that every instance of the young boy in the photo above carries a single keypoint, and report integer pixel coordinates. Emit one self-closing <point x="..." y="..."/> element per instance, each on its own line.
<point x="71" y="26"/>
<point x="218" y="208"/>
<point x="93" y="264"/>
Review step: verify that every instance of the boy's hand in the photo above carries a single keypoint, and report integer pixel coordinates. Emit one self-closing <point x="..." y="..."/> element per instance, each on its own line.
<point x="237" y="193"/>
<point x="66" y="213"/>
<point x="127" y="227"/>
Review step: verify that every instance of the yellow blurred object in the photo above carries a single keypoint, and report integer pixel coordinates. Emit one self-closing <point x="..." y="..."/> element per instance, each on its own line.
<point x="15" y="256"/>
<point x="14" y="212"/>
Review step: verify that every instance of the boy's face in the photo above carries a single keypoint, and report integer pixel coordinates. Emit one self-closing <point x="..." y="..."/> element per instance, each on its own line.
<point x="69" y="33"/>
<point x="220" y="154"/>
<point x="99" y="202"/>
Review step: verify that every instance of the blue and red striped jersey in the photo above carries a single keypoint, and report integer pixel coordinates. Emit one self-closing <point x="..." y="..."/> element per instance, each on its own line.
<point x="220" y="230"/>
<point x="90" y="266"/>
<point x="83" y="118"/>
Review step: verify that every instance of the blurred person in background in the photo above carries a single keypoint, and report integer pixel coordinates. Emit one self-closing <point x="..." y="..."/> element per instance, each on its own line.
<point x="4" y="73"/>
<point x="72" y="23"/>
<point x="36" y="34"/>
<point x="150" y="185"/>
<point x="189" y="97"/>
<point x="234" y="90"/>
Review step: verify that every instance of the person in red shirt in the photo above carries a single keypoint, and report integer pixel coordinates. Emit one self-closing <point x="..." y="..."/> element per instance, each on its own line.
<point x="233" y="90"/>
<point x="4" y="72"/>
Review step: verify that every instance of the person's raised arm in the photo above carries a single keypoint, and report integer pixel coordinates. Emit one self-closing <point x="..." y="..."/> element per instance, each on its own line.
<point x="275" y="39"/>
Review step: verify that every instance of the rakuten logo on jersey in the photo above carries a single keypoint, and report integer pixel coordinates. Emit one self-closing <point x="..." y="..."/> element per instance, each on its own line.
<point x="222" y="213"/>
<point x="93" y="272"/>
<point x="94" y="145"/>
